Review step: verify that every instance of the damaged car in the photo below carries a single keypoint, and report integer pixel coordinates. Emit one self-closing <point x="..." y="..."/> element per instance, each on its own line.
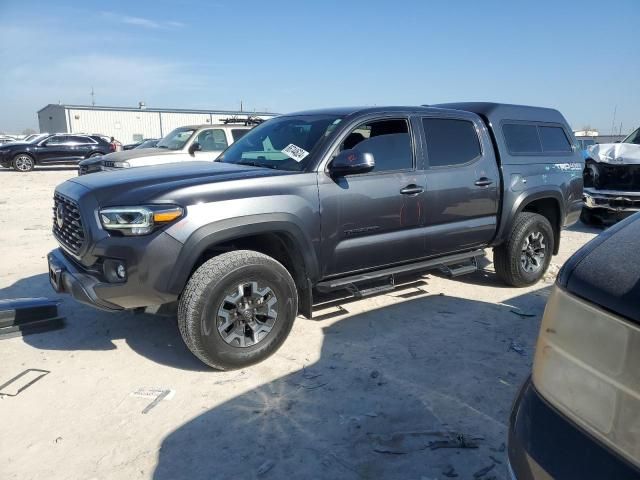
<point x="612" y="180"/>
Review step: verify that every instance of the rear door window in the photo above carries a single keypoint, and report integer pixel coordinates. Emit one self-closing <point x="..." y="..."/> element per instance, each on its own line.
<point x="78" y="140"/>
<point x="554" y="139"/>
<point x="522" y="138"/>
<point x="450" y="141"/>
<point x="238" y="133"/>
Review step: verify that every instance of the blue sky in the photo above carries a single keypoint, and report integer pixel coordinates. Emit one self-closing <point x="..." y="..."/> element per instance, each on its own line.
<point x="580" y="57"/>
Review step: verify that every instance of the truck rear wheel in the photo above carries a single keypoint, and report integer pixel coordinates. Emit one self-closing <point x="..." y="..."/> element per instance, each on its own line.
<point x="237" y="309"/>
<point x="525" y="256"/>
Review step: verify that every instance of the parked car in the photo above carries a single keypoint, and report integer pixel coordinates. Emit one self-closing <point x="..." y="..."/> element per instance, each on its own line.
<point x="612" y="180"/>
<point x="578" y="417"/>
<point x="52" y="150"/>
<point x="318" y="201"/>
<point x="196" y="142"/>
<point x="33" y="136"/>
<point x="146" y="143"/>
<point x="6" y="139"/>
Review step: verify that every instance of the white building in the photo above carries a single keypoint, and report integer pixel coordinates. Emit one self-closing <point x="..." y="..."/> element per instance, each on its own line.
<point x="129" y="125"/>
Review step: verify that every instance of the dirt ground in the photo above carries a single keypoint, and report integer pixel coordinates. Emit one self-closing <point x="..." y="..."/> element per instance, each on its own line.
<point x="377" y="388"/>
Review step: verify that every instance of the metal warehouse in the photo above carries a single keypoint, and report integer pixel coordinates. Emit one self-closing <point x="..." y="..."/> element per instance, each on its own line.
<point x="129" y="124"/>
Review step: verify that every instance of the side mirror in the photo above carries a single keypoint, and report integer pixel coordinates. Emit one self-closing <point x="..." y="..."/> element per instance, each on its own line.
<point x="349" y="162"/>
<point x="195" y="147"/>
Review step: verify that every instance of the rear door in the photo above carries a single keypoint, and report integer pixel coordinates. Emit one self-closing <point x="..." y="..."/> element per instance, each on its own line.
<point x="462" y="183"/>
<point x="80" y="147"/>
<point x="373" y="219"/>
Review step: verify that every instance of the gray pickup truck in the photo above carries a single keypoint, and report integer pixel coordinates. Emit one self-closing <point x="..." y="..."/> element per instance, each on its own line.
<point x="318" y="201"/>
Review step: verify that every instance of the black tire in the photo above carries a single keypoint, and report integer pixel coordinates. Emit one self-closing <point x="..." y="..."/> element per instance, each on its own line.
<point x="96" y="154"/>
<point x="23" y="162"/>
<point x="207" y="293"/>
<point x="508" y="257"/>
<point x="586" y="216"/>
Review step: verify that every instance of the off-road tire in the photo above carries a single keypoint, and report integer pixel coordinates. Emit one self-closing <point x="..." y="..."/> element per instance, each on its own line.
<point x="507" y="257"/>
<point x="206" y="290"/>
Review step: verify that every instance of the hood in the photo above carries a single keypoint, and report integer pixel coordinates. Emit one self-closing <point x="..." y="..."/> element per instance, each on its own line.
<point x="13" y="144"/>
<point x="163" y="183"/>
<point x="615" y="153"/>
<point x="135" y="153"/>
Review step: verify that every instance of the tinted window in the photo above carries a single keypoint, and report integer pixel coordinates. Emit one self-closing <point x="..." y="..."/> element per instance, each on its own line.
<point x="211" y="140"/>
<point x="554" y="139"/>
<point x="633" y="138"/>
<point x="57" y="140"/>
<point x="388" y="141"/>
<point x="77" y="139"/>
<point x="522" y="138"/>
<point x="450" y="142"/>
<point x="238" y="133"/>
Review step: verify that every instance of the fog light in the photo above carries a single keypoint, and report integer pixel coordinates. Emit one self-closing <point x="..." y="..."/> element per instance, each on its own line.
<point x="121" y="271"/>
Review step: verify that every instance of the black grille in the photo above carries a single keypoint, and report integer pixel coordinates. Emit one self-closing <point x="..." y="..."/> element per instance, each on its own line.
<point x="67" y="214"/>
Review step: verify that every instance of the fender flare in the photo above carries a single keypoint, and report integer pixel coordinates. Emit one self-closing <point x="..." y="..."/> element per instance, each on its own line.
<point x="235" y="228"/>
<point x="525" y="198"/>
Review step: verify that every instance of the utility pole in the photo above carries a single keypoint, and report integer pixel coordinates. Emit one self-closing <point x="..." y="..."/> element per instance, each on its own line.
<point x="93" y="98"/>
<point x="241" y="105"/>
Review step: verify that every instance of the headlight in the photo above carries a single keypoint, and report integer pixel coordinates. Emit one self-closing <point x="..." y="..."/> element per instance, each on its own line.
<point x="586" y="365"/>
<point x="138" y="220"/>
<point x="118" y="164"/>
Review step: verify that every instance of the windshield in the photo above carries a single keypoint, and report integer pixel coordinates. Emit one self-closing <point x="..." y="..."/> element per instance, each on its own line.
<point x="148" y="144"/>
<point x="176" y="139"/>
<point x="633" y="138"/>
<point x="283" y="143"/>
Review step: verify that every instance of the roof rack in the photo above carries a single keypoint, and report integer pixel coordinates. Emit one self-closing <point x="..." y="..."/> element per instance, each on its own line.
<point x="250" y="120"/>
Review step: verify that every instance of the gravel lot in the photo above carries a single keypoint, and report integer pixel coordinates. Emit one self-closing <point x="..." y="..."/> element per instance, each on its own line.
<point x="363" y="391"/>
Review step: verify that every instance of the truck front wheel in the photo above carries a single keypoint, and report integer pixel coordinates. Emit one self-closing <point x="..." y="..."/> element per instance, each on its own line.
<point x="524" y="257"/>
<point x="237" y="309"/>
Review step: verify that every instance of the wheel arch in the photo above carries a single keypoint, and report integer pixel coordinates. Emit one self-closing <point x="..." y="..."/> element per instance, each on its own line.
<point x="25" y="152"/>
<point x="546" y="202"/>
<point x="276" y="235"/>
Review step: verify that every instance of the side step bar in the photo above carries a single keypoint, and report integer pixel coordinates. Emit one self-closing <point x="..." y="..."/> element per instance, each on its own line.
<point x="442" y="262"/>
<point x="456" y="270"/>
<point x="23" y="316"/>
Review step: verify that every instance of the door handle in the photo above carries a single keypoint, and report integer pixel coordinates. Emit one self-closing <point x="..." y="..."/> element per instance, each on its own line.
<point x="412" y="190"/>
<point x="483" y="182"/>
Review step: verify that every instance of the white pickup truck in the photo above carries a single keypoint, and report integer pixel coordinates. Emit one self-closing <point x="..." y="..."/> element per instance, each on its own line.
<point x="184" y="144"/>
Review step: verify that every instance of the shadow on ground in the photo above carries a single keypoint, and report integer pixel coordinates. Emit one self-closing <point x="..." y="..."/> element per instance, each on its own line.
<point x="60" y="168"/>
<point x="390" y="384"/>
<point x="154" y="337"/>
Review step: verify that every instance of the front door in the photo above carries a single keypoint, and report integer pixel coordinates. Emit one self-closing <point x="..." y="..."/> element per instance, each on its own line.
<point x="373" y="219"/>
<point x="462" y="184"/>
<point x="212" y="141"/>
<point x="55" y="149"/>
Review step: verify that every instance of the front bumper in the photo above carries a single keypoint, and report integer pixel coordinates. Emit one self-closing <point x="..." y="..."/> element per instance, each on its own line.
<point x="149" y="260"/>
<point x="544" y="445"/>
<point x="66" y="277"/>
<point x="611" y="200"/>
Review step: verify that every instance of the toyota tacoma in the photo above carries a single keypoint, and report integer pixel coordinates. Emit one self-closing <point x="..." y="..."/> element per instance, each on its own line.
<point x="313" y="202"/>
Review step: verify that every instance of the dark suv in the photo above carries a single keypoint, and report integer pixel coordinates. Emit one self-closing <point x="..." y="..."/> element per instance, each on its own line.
<point x="54" y="149"/>
<point x="316" y="201"/>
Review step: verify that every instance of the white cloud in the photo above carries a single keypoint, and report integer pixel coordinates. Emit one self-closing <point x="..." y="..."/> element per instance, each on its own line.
<point x="142" y="22"/>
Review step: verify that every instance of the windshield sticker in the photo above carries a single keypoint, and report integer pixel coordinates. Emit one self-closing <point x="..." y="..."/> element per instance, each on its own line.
<point x="295" y="152"/>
